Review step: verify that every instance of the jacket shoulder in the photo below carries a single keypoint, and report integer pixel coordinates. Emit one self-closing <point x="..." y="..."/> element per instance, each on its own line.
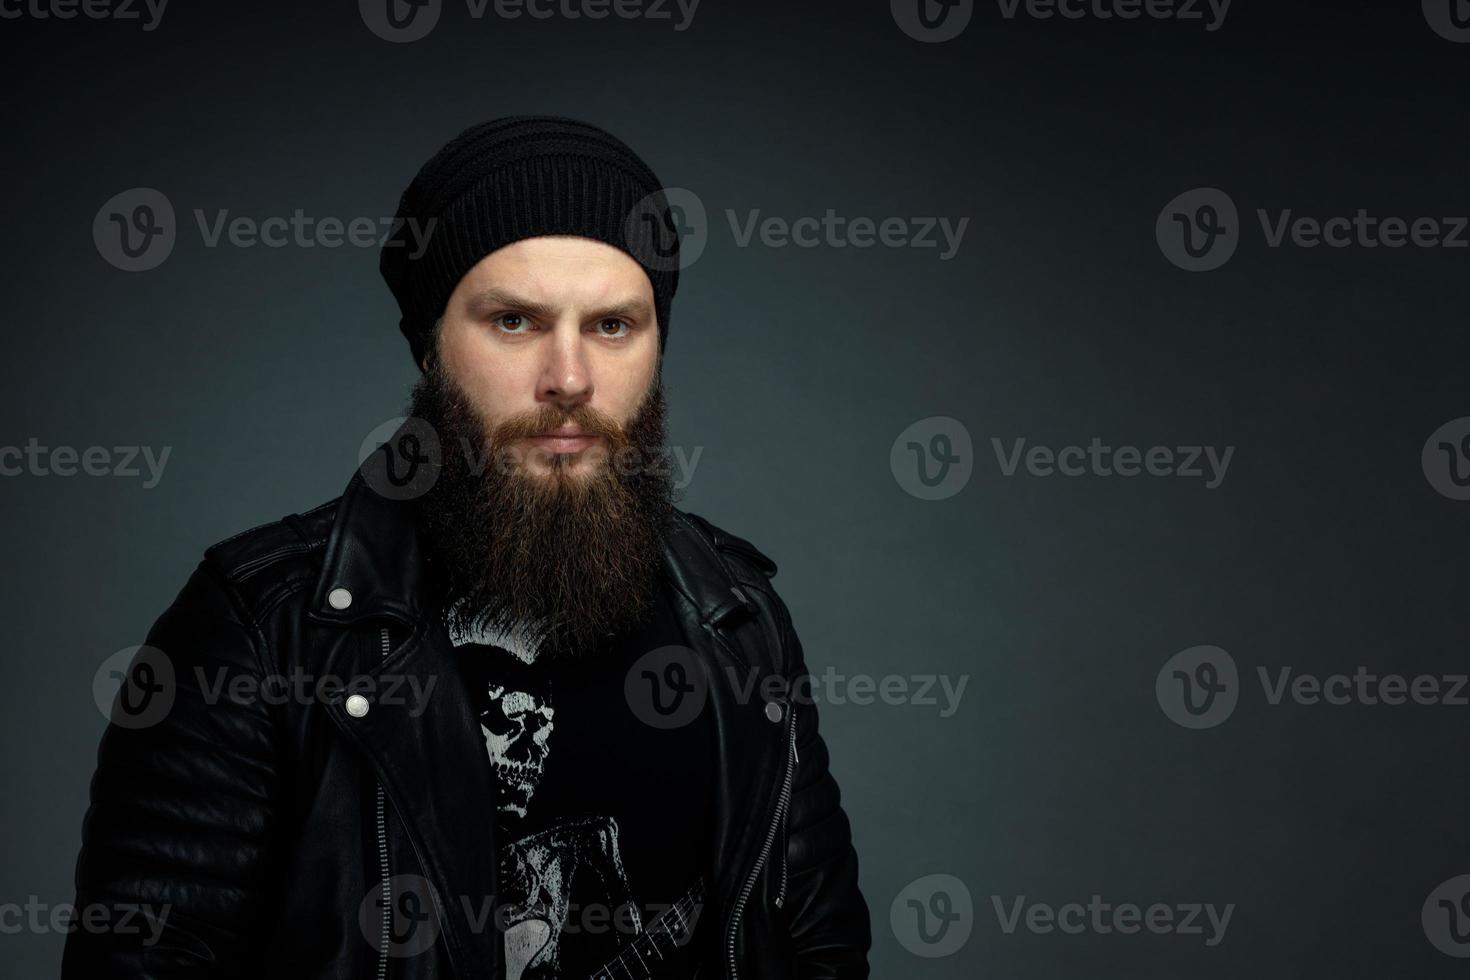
<point x="296" y="539"/>
<point x="731" y="547"/>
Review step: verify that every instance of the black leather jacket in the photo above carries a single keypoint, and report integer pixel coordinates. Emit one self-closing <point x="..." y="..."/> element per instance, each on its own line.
<point x="265" y="829"/>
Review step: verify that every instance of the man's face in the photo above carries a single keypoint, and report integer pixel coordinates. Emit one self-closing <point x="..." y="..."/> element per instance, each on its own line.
<point x="547" y="365"/>
<point x="554" y="341"/>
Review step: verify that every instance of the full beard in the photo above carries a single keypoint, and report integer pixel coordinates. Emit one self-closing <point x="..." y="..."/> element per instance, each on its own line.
<point x="568" y="560"/>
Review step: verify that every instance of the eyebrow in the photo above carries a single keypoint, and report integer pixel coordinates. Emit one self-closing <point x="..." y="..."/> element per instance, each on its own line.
<point x="483" y="303"/>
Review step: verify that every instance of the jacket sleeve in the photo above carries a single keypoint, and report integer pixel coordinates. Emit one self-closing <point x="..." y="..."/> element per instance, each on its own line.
<point x="826" y="914"/>
<point x="177" y="851"/>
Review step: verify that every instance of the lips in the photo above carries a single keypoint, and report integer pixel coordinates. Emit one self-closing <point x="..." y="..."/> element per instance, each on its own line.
<point x="567" y="439"/>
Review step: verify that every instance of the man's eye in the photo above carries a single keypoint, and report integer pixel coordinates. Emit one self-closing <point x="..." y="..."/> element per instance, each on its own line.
<point x="512" y="323"/>
<point x="613" y="327"/>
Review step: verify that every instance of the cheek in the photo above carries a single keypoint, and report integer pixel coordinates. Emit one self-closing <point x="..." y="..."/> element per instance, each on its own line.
<point x="627" y="387"/>
<point x="487" y="376"/>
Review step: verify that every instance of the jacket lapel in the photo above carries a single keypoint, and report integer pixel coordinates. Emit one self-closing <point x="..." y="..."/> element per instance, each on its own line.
<point x="430" y="757"/>
<point x="424" y="743"/>
<point x="710" y="606"/>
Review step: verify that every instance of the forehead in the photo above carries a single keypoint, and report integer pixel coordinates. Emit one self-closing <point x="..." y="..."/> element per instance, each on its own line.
<point x="561" y="270"/>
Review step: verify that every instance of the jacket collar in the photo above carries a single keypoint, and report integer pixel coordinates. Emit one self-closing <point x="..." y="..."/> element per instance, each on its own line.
<point x="378" y="563"/>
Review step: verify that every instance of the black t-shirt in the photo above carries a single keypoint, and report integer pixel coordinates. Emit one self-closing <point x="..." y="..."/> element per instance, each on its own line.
<point x="604" y="820"/>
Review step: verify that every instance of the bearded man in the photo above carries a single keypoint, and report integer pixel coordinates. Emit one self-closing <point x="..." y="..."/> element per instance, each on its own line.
<point x="501" y="709"/>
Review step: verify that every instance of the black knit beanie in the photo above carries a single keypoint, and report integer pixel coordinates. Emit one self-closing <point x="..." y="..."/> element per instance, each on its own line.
<point x="515" y="178"/>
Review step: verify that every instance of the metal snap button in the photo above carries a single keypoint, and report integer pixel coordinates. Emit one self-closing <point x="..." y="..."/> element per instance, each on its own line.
<point x="357" y="706"/>
<point x="339" y="598"/>
<point x="773" y="711"/>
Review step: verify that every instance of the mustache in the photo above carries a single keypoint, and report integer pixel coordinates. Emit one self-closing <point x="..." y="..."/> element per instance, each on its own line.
<point x="549" y="418"/>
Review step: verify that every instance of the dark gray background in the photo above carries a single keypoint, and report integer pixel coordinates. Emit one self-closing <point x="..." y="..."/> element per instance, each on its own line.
<point x="795" y="369"/>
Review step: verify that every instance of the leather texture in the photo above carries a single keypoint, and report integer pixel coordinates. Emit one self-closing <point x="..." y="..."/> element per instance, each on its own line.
<point x="254" y="823"/>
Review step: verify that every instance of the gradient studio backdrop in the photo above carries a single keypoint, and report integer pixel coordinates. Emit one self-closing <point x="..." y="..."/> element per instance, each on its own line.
<point x="1334" y="543"/>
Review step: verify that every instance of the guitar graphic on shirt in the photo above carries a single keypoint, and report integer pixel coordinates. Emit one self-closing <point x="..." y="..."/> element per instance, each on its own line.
<point x="668" y="931"/>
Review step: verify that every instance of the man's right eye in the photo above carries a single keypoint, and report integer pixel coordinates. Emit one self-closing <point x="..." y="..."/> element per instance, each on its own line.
<point x="512" y="323"/>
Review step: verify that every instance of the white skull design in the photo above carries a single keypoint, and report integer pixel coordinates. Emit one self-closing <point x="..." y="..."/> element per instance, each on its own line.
<point x="517" y="727"/>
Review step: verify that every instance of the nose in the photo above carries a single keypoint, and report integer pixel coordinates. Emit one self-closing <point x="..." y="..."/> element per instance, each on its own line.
<point x="565" y="375"/>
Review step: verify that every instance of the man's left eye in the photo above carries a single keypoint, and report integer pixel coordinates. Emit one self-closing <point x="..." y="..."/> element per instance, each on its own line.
<point x="613" y="327"/>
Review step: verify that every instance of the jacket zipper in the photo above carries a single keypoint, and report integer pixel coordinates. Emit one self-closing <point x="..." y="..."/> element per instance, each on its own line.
<point x="383" y="868"/>
<point x="786" y="814"/>
<point x="777" y="825"/>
